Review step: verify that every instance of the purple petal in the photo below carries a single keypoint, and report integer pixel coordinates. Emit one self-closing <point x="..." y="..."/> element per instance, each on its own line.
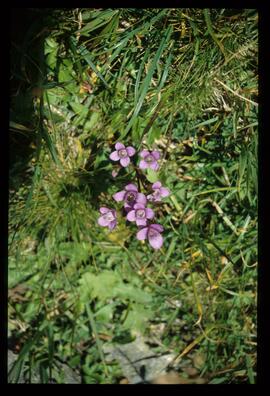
<point x="119" y="146"/>
<point x="141" y="198"/>
<point x="131" y="215"/>
<point x="144" y="153"/>
<point x="139" y="205"/>
<point x="157" y="227"/>
<point x="156" y="185"/>
<point x="114" y="156"/>
<point x="128" y="207"/>
<point x="142" y="234"/>
<point x="112" y="224"/>
<point x="103" y="222"/>
<point x="155" y="154"/>
<point x="131" y="151"/>
<point x="119" y="196"/>
<point x="156" y="241"/>
<point x="149" y="213"/>
<point x="141" y="222"/>
<point x="125" y="161"/>
<point x="143" y="164"/>
<point x="151" y="198"/>
<point x="164" y="192"/>
<point x="103" y="210"/>
<point x="153" y="165"/>
<point x="131" y="187"/>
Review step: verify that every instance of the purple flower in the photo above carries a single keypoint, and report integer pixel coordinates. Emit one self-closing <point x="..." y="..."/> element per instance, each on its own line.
<point x="152" y="233"/>
<point x="149" y="159"/>
<point x="108" y="218"/>
<point x="130" y="196"/>
<point x="122" y="153"/>
<point x="159" y="192"/>
<point x="140" y="214"/>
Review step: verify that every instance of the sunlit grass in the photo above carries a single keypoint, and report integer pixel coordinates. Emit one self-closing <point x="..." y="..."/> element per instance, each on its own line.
<point x="183" y="81"/>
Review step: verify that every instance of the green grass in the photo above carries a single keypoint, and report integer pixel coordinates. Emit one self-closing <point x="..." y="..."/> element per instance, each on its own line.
<point x="185" y="82"/>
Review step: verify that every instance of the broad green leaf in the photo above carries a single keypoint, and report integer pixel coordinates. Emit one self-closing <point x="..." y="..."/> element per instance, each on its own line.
<point x="78" y="108"/>
<point x="152" y="176"/>
<point x="52" y="59"/>
<point x="153" y="134"/>
<point x="109" y="284"/>
<point x="76" y="252"/>
<point x="105" y="314"/>
<point x="94" y="118"/>
<point x="50" y="44"/>
<point x="86" y="286"/>
<point x="138" y="318"/>
<point x="127" y="291"/>
<point x="99" y="286"/>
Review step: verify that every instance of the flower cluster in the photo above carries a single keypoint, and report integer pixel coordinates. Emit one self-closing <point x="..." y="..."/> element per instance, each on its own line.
<point x="135" y="203"/>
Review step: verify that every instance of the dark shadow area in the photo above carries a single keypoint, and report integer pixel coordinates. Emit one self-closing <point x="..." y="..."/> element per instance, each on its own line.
<point x="29" y="28"/>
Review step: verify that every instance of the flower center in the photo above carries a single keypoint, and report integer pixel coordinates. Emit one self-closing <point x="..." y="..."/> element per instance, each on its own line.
<point x="122" y="153"/>
<point x="130" y="196"/>
<point x="140" y="213"/>
<point x="149" y="159"/>
<point x="109" y="216"/>
<point x="152" y="233"/>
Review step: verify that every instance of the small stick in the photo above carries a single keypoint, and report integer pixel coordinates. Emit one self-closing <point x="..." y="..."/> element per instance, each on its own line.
<point x="235" y="93"/>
